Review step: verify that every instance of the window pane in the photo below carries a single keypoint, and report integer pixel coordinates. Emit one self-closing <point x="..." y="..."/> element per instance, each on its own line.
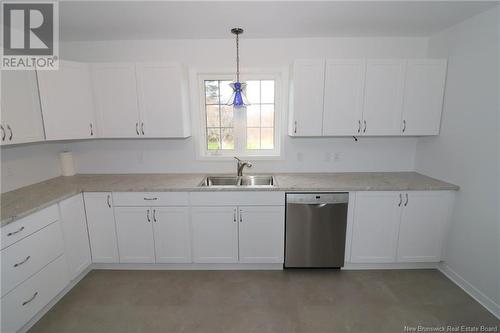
<point x="225" y="91"/>
<point x="267" y="91"/>
<point x="226" y="116"/>
<point x="212" y="116"/>
<point x="253" y="138"/>
<point x="253" y="92"/>
<point x="253" y="115"/>
<point x="213" y="138"/>
<point x="267" y="115"/>
<point x="211" y="92"/>
<point x="227" y="138"/>
<point x="267" y="138"/>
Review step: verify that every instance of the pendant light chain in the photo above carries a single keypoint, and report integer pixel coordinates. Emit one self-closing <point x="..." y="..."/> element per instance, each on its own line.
<point x="237" y="57"/>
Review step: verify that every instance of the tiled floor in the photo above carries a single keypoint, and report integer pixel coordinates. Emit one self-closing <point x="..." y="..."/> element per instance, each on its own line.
<point x="262" y="301"/>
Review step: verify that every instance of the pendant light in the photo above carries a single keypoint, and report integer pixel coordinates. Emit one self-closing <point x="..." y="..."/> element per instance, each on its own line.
<point x="238" y="98"/>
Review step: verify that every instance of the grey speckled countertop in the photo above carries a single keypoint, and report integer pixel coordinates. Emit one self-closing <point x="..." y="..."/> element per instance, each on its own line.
<point x="26" y="200"/>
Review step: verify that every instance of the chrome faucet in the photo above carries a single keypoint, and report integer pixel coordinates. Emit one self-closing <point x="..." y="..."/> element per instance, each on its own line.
<point x="241" y="165"/>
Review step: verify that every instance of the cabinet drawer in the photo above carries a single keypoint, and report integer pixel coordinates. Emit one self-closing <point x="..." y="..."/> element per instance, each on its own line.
<point x="150" y="198"/>
<point x="19" y="229"/>
<point x="21" y="304"/>
<point x="28" y="256"/>
<point x="250" y="198"/>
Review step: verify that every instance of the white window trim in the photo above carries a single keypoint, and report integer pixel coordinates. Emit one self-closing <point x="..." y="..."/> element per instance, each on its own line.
<point x="199" y="123"/>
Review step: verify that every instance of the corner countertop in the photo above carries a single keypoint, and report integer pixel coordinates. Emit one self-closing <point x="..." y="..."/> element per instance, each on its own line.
<point x="19" y="203"/>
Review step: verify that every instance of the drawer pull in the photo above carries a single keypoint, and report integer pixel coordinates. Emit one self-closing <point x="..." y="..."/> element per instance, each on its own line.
<point x="22" y="262"/>
<point x="31" y="299"/>
<point x="15" y="232"/>
<point x="151" y="199"/>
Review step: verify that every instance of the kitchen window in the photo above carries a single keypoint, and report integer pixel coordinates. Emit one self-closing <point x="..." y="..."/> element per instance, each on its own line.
<point x="249" y="131"/>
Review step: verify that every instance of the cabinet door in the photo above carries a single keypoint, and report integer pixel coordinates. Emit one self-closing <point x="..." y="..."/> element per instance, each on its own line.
<point x="423" y="221"/>
<point x="261" y="234"/>
<point x="21" y="114"/>
<point x="67" y="103"/>
<point x="215" y="234"/>
<point x="76" y="237"/>
<point x="135" y="234"/>
<point x="101" y="226"/>
<point x="163" y="101"/>
<point x="344" y="84"/>
<point x="307" y="98"/>
<point x="116" y="100"/>
<point x="383" y="97"/>
<point x="172" y="234"/>
<point x="423" y="97"/>
<point x="375" y="230"/>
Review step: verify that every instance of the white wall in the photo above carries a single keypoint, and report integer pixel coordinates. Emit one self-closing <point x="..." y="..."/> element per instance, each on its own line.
<point x="369" y="154"/>
<point x="467" y="151"/>
<point x="28" y="164"/>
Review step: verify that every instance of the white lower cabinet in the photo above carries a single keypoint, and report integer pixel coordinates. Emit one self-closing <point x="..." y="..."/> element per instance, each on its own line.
<point x="172" y="235"/>
<point x="215" y="234"/>
<point x="423" y="220"/>
<point x="76" y="236"/>
<point x="21" y="304"/>
<point x="375" y="230"/>
<point x="135" y="234"/>
<point x="399" y="226"/>
<point x="261" y="234"/>
<point x="101" y="226"/>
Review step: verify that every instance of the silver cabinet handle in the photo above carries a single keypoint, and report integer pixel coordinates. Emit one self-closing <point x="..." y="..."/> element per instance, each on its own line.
<point x="11" y="133"/>
<point x="31" y="299"/>
<point x="400" y="200"/>
<point x="22" y="262"/>
<point x="404" y="126"/>
<point x="154" y="215"/>
<point x="91" y="130"/>
<point x="359" y="126"/>
<point x="406" y="202"/>
<point x="241" y="215"/>
<point x="3" y="132"/>
<point x="147" y="215"/>
<point x="15" y="232"/>
<point x="364" y="130"/>
<point x="295" y="127"/>
<point x="142" y="128"/>
<point x="151" y="199"/>
<point x="137" y="128"/>
<point x="108" y="200"/>
<point x="234" y="215"/>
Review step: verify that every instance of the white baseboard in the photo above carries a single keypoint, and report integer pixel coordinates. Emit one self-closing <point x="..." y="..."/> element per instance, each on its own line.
<point x="475" y="293"/>
<point x="206" y="267"/>
<point x="53" y="302"/>
<point x="409" y="265"/>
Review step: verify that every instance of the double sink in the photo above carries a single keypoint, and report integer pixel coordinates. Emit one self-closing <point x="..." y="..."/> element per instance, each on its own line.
<point x="238" y="181"/>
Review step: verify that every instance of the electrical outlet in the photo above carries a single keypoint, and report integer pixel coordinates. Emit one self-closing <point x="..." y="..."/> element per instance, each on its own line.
<point x="336" y="157"/>
<point x="328" y="157"/>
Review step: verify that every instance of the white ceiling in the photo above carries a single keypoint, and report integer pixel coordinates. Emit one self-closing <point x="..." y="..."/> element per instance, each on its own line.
<point x="126" y="20"/>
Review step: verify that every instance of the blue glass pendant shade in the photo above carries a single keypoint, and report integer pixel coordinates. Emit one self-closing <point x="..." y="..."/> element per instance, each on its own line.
<point x="238" y="98"/>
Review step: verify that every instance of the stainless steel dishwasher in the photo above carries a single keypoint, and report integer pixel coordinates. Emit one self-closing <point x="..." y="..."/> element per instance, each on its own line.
<point x="315" y="230"/>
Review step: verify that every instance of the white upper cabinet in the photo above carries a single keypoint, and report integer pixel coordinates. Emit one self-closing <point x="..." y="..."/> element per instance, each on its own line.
<point x="383" y="97"/>
<point x="116" y="100"/>
<point x="343" y="108"/>
<point x="423" y="97"/>
<point x="423" y="220"/>
<point x="67" y="102"/>
<point x="76" y="237"/>
<point x="307" y="90"/>
<point x="21" y="115"/>
<point x="163" y="100"/>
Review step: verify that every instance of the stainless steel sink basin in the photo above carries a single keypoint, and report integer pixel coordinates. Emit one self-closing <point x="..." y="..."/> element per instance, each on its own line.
<point x="242" y="181"/>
